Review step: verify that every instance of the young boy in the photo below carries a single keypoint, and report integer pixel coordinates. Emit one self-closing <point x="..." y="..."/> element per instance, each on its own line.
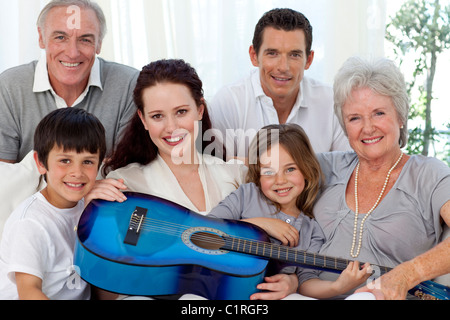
<point x="36" y="251"/>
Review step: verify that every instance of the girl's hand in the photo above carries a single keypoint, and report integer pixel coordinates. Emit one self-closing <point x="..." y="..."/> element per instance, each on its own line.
<point x="278" y="229"/>
<point x="278" y="287"/>
<point x="352" y="277"/>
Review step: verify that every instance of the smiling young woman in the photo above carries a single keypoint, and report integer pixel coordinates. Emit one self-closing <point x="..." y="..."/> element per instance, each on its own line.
<point x="162" y="150"/>
<point x="170" y="116"/>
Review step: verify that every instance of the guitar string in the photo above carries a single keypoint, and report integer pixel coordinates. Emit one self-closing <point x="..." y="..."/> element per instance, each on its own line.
<point x="177" y="230"/>
<point x="180" y="229"/>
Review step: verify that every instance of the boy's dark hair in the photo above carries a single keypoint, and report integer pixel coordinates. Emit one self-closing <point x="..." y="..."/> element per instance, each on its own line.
<point x="70" y="129"/>
<point x="286" y="20"/>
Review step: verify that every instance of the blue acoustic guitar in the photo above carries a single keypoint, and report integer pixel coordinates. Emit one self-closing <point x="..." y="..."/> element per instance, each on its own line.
<point x="149" y="246"/>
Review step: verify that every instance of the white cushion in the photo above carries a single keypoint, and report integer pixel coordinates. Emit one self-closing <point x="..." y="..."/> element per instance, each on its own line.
<point x="17" y="183"/>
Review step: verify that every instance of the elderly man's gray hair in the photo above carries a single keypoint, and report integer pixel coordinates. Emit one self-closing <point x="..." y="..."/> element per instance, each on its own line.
<point x="87" y="4"/>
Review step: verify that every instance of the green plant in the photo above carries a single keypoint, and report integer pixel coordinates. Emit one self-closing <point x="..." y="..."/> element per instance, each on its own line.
<point x="420" y="31"/>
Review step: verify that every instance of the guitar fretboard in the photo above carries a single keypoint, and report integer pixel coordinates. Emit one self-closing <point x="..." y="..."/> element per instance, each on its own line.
<point x="289" y="255"/>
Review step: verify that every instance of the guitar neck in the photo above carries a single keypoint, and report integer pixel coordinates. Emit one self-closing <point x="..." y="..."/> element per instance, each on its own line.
<point x="289" y="255"/>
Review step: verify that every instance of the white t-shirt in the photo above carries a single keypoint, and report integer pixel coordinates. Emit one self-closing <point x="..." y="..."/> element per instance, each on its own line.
<point x="244" y="106"/>
<point x="39" y="240"/>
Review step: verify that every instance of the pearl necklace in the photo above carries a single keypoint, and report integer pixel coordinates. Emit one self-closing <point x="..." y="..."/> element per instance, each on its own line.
<point x="355" y="228"/>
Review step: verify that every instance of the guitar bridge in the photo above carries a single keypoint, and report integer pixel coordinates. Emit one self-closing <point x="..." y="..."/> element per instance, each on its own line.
<point x="136" y="223"/>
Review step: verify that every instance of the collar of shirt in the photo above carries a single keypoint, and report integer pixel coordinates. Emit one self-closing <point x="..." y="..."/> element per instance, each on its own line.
<point x="259" y="94"/>
<point x="42" y="82"/>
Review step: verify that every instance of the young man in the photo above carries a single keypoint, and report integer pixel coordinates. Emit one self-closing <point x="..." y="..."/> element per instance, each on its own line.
<point x="278" y="92"/>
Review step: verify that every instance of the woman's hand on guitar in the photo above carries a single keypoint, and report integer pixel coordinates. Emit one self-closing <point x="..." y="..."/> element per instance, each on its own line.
<point x="108" y="189"/>
<point x="277" y="287"/>
<point x="278" y="229"/>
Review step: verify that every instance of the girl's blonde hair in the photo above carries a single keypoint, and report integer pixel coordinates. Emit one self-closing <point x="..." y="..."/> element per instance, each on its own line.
<point x="295" y="141"/>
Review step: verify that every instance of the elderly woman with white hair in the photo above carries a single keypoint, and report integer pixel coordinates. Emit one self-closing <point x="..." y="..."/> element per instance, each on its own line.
<point x="378" y="204"/>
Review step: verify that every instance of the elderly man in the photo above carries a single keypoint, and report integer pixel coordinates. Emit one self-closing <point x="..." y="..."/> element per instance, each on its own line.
<point x="70" y="75"/>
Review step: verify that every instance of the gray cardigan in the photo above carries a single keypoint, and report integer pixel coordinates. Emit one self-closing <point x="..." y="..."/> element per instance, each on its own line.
<point x="21" y="109"/>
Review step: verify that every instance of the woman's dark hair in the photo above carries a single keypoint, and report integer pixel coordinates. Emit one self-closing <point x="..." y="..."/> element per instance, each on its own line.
<point x="71" y="129"/>
<point x="136" y="145"/>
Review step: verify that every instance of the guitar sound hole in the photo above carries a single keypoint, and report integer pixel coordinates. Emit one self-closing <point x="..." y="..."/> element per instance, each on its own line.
<point x="207" y="241"/>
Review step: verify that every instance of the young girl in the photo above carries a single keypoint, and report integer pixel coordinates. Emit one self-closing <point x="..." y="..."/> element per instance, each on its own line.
<point x="36" y="252"/>
<point x="282" y="184"/>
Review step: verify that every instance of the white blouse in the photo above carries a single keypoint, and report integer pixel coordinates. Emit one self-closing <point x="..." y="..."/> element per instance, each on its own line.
<point x="218" y="178"/>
